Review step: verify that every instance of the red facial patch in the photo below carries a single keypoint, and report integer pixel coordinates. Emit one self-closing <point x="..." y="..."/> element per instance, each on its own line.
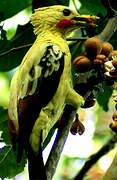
<point x="64" y="23"/>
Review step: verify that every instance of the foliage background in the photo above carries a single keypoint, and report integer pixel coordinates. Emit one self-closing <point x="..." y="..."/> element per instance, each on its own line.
<point x="14" y="43"/>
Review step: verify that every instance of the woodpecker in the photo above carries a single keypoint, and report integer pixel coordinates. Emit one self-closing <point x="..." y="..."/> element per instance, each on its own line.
<point x="42" y="84"/>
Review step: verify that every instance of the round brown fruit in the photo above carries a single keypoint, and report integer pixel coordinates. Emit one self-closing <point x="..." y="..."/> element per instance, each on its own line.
<point x="113" y="126"/>
<point x="114" y="117"/>
<point x="107" y="59"/>
<point x="97" y="63"/>
<point x="107" y="48"/>
<point x="77" y="127"/>
<point x="114" y="62"/>
<point x="112" y="54"/>
<point x="101" y="57"/>
<point x="92" y="47"/>
<point x="81" y="64"/>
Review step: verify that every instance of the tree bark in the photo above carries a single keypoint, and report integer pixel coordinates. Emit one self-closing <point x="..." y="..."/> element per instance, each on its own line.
<point x="111" y="173"/>
<point x="62" y="135"/>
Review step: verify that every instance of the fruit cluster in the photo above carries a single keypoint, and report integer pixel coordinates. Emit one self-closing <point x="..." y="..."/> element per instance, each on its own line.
<point x="113" y="125"/>
<point x="101" y="58"/>
<point x="96" y="53"/>
<point x="111" y="65"/>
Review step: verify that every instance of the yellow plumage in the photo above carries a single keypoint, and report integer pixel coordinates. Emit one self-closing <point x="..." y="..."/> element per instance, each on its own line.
<point x="43" y="61"/>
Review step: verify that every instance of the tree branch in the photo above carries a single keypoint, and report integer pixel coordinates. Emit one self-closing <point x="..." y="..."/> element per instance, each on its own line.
<point x="110" y="144"/>
<point x="111" y="173"/>
<point x="63" y="131"/>
<point x="109" y="29"/>
<point x="14" y="49"/>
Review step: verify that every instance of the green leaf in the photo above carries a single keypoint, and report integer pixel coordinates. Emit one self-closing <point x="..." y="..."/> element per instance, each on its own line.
<point x="103" y="97"/>
<point x="47" y="140"/>
<point x="77" y="49"/>
<point x="4" y="125"/>
<point x="9" y="8"/>
<point x="53" y="2"/>
<point x="113" y="40"/>
<point x="8" y="163"/>
<point x="63" y="2"/>
<point x="9" y="58"/>
<point x="90" y="7"/>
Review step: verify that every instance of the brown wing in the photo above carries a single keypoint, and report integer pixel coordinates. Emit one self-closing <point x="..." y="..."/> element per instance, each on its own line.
<point x="40" y="91"/>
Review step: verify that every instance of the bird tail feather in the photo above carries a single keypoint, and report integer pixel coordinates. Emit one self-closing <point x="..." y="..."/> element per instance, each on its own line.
<point x="35" y="164"/>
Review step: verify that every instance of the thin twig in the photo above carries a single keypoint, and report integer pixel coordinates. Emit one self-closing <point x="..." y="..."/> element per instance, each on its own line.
<point x="63" y="131"/>
<point x="110" y="144"/>
<point x="14" y="49"/>
<point x="77" y="39"/>
<point x="75" y="5"/>
<point x="112" y="9"/>
<point x="109" y="29"/>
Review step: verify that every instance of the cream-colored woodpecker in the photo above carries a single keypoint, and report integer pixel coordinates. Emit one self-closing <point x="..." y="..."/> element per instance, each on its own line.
<point x="42" y="85"/>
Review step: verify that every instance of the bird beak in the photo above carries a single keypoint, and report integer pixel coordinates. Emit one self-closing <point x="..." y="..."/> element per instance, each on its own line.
<point x="85" y="20"/>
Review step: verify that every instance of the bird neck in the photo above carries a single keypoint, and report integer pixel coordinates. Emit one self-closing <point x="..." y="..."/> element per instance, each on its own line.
<point x="52" y="36"/>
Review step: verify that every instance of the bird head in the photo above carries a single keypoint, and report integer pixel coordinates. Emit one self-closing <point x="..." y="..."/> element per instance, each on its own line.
<point x="60" y="19"/>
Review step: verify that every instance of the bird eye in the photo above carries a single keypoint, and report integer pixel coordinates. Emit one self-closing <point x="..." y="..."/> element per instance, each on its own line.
<point x="66" y="12"/>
